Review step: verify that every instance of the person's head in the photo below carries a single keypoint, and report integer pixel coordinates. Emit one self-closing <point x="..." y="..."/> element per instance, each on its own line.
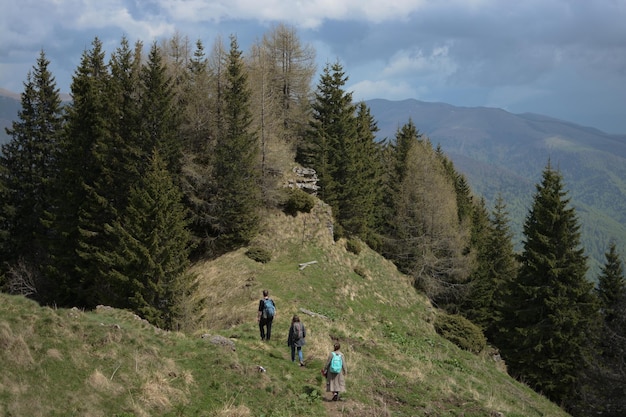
<point x="336" y="346"/>
<point x="266" y="293"/>
<point x="295" y="319"/>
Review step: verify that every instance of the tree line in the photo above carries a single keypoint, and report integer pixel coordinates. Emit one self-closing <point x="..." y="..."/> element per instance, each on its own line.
<point x="173" y="155"/>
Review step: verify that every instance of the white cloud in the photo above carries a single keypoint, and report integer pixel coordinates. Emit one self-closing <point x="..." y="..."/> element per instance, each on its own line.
<point x="387" y="89"/>
<point x="417" y="62"/>
<point x="303" y="13"/>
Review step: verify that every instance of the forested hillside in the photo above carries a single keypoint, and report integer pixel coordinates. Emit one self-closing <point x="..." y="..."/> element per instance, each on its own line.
<point x="503" y="153"/>
<point x="173" y="156"/>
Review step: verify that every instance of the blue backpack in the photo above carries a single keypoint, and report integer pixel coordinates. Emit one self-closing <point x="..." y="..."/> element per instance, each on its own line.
<point x="268" y="309"/>
<point x="336" y="364"/>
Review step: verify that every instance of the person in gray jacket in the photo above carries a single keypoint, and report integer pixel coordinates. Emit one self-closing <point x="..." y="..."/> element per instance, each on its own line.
<point x="296" y="338"/>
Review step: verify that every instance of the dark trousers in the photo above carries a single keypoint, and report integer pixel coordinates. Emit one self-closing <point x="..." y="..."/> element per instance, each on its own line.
<point x="265" y="327"/>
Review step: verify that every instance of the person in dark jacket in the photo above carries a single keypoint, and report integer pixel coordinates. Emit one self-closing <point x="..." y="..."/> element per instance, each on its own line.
<point x="265" y="320"/>
<point x="296" y="338"/>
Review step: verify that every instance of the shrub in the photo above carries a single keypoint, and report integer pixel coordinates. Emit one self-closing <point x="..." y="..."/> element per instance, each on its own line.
<point x="259" y="254"/>
<point x="461" y="332"/>
<point x="298" y="201"/>
<point x="354" y="246"/>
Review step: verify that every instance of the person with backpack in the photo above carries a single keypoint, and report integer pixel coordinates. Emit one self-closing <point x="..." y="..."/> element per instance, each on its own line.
<point x="335" y="371"/>
<point x="265" y="315"/>
<point x="296" y="338"/>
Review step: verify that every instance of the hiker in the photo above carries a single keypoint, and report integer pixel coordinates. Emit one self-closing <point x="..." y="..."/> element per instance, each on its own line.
<point x="296" y="338"/>
<point x="265" y="315"/>
<point x="335" y="371"/>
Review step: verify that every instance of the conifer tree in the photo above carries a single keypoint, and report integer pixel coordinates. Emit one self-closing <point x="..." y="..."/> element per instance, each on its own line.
<point x="236" y="168"/>
<point x="361" y="191"/>
<point x="601" y="386"/>
<point x="126" y="157"/>
<point x="197" y="130"/>
<point x="552" y="309"/>
<point x="160" y="121"/>
<point x="611" y="288"/>
<point x="332" y="136"/>
<point x="495" y="269"/>
<point x="477" y="300"/>
<point x="395" y="157"/>
<point x="27" y="165"/>
<point x="501" y="255"/>
<point x="148" y="263"/>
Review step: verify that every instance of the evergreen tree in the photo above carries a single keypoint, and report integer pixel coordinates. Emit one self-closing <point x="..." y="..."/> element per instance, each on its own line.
<point x="502" y="258"/>
<point x="361" y="191"/>
<point x="332" y="136"/>
<point x="197" y="129"/>
<point x="552" y="309"/>
<point x="27" y="165"/>
<point x="611" y="288"/>
<point x="126" y="157"/>
<point x="236" y="168"/>
<point x="160" y="121"/>
<point x="148" y="263"/>
<point x="477" y="303"/>
<point x="495" y="269"/>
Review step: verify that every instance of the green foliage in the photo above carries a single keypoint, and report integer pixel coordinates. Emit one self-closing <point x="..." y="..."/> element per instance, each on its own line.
<point x="236" y="170"/>
<point x="27" y="168"/>
<point x="494" y="269"/>
<point x="259" y="254"/>
<point x="461" y="332"/>
<point x="149" y="261"/>
<point x="298" y="201"/>
<point x="551" y="311"/>
<point x="354" y="246"/>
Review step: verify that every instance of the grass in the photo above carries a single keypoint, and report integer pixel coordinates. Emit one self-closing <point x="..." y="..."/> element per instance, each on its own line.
<point x="108" y="362"/>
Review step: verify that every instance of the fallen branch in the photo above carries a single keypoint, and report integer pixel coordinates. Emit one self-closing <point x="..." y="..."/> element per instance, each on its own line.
<point x="304" y="265"/>
<point x="313" y="314"/>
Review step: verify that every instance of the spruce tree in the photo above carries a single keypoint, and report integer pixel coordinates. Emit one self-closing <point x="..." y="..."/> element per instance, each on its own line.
<point x="477" y="300"/>
<point x="236" y="168"/>
<point x="494" y="270"/>
<point x="501" y="255"/>
<point x="84" y="184"/>
<point x="160" y="121"/>
<point x="611" y="288"/>
<point x="148" y="263"/>
<point x="197" y="130"/>
<point x="28" y="167"/>
<point x="552" y="310"/>
<point x="361" y="190"/>
<point x="332" y="135"/>
<point x="126" y="158"/>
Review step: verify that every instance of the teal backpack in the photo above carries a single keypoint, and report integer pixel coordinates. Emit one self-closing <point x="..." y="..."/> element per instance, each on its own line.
<point x="268" y="309"/>
<point x="336" y="364"/>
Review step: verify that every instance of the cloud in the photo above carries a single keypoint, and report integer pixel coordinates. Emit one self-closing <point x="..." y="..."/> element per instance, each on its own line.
<point x="418" y="62"/>
<point x="303" y="13"/>
<point x="472" y="52"/>
<point x="387" y="89"/>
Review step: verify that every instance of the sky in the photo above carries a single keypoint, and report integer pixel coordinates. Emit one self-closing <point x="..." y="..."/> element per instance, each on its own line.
<point x="560" y="58"/>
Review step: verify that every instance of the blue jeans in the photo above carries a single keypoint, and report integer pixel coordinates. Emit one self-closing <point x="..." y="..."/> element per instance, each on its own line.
<point x="293" y="353"/>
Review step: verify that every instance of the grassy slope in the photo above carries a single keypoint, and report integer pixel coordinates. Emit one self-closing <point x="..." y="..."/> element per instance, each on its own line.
<point x="110" y="363"/>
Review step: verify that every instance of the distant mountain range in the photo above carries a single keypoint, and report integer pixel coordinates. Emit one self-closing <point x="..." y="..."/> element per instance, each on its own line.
<point x="504" y="153"/>
<point x="501" y="152"/>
